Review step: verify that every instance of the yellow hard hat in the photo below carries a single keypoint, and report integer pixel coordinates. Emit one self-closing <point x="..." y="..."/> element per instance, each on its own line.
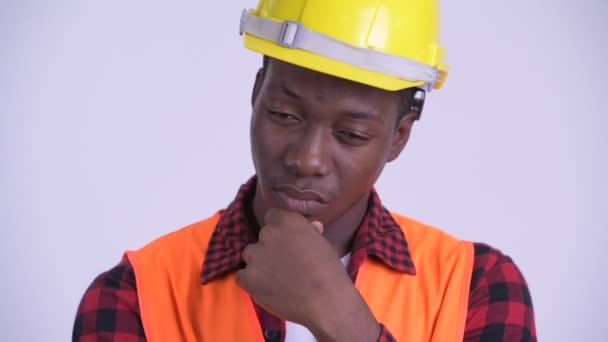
<point x="388" y="44"/>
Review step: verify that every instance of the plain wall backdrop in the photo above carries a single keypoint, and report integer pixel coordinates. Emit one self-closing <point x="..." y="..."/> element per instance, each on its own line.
<point x="121" y="121"/>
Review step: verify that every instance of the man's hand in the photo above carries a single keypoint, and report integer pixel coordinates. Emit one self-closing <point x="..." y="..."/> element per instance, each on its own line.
<point x="293" y="272"/>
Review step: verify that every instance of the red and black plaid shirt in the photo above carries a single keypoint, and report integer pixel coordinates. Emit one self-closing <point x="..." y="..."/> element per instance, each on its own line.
<point x="500" y="307"/>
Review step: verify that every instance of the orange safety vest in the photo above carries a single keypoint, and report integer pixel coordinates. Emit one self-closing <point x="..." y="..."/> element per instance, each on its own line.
<point x="174" y="306"/>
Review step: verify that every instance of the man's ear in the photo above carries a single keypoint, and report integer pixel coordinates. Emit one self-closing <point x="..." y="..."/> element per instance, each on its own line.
<point x="259" y="79"/>
<point x="402" y="134"/>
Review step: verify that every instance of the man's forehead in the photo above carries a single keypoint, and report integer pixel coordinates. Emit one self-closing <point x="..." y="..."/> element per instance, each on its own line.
<point x="286" y="77"/>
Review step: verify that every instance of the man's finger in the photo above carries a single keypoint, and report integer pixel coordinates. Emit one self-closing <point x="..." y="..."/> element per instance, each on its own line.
<point x="241" y="277"/>
<point x="318" y="226"/>
<point x="247" y="252"/>
<point x="266" y="233"/>
<point x="277" y="216"/>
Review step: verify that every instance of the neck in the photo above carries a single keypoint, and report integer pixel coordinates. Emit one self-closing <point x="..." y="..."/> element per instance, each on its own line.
<point x="341" y="232"/>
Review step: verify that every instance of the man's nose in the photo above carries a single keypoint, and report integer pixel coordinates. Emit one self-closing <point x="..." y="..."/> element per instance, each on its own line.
<point x="308" y="155"/>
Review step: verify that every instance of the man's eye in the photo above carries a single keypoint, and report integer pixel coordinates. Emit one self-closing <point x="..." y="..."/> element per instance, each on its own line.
<point x="282" y="116"/>
<point x="354" y="136"/>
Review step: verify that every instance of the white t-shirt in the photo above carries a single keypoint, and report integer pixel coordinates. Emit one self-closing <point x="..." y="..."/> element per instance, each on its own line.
<point x="299" y="333"/>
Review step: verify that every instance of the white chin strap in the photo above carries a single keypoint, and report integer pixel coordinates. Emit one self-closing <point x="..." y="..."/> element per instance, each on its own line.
<point x="294" y="35"/>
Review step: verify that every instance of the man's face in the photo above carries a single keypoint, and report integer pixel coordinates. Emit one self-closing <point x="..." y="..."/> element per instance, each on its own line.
<point x="319" y="142"/>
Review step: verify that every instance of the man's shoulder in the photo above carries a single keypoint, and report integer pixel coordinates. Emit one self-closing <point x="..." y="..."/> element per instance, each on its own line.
<point x="174" y="248"/>
<point x="414" y="227"/>
<point x="498" y="287"/>
<point x="492" y="266"/>
<point x="418" y="233"/>
<point x="121" y="277"/>
<point x="192" y="232"/>
<point x="108" y="304"/>
<point x="492" y="255"/>
<point x="487" y="258"/>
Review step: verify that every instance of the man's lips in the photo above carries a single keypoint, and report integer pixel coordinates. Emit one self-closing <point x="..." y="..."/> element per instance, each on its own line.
<point x="302" y="201"/>
<point x="300" y="194"/>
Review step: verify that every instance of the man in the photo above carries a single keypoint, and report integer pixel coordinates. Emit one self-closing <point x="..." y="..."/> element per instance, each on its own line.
<point x="306" y="251"/>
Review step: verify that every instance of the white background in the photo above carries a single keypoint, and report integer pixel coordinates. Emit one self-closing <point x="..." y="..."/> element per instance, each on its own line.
<point x="123" y="120"/>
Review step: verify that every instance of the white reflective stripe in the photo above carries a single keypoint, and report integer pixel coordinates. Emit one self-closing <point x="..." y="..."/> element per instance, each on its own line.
<point x="294" y="35"/>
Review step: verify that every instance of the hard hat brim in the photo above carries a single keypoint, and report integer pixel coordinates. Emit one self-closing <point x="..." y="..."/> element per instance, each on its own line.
<point x="329" y="66"/>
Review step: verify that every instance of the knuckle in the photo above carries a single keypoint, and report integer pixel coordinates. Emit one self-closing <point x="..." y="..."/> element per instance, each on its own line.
<point x="266" y="233"/>
<point x="248" y="252"/>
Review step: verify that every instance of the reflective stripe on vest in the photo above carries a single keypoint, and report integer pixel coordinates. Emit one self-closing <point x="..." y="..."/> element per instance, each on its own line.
<point x="174" y="306"/>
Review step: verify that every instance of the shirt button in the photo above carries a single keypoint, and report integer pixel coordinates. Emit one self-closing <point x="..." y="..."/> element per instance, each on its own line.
<point x="270" y="334"/>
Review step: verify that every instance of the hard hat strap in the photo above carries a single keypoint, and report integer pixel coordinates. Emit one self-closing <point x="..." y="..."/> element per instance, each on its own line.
<point x="294" y="35"/>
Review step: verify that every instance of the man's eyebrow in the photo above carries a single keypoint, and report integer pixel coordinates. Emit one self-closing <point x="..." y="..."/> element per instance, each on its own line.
<point x="363" y="115"/>
<point x="290" y="93"/>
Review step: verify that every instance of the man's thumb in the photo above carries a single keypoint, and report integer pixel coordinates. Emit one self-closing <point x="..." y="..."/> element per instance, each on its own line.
<point x="318" y="225"/>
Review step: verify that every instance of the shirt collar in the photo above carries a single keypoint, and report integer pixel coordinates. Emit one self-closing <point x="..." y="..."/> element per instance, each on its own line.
<point x="379" y="235"/>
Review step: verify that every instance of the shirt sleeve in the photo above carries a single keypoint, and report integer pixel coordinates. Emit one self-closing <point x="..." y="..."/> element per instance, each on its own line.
<point x="500" y="306"/>
<point x="109" y="309"/>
